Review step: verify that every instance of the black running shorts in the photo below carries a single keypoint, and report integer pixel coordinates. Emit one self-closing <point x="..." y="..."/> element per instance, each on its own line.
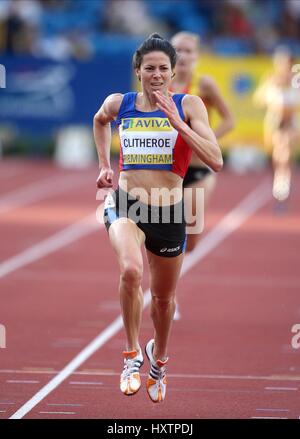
<point x="163" y="226"/>
<point x="195" y="173"/>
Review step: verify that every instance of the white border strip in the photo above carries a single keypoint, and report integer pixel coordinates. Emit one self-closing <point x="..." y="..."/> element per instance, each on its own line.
<point x="40" y="189"/>
<point x="50" y="245"/>
<point x="231" y="222"/>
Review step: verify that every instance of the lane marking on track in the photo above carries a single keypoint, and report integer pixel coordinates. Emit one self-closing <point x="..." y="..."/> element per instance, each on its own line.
<point x="22" y="381"/>
<point x="67" y="342"/>
<point x="50" y="245"/>
<point x="57" y="413"/>
<point x="83" y="276"/>
<point x="267" y="417"/>
<point x="86" y="383"/>
<point x="65" y="405"/>
<point x="281" y="388"/>
<point x="172" y="375"/>
<point x="272" y="410"/>
<point x="43" y="274"/>
<point x="9" y="173"/>
<point x="231" y="222"/>
<point x="38" y="190"/>
<point x="184" y="389"/>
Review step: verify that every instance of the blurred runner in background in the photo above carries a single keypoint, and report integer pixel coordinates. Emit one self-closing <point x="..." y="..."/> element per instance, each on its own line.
<point x="281" y="131"/>
<point x="187" y="46"/>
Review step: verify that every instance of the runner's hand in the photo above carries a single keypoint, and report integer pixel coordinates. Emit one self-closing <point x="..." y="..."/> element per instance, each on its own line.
<point x="105" y="178"/>
<point x="168" y="106"/>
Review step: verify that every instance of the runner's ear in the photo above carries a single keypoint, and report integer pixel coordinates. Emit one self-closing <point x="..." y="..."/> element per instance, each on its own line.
<point x="137" y="72"/>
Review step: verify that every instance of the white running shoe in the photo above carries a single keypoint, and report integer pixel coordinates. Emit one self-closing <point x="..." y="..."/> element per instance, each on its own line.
<point x="130" y="380"/>
<point x="157" y="379"/>
<point x="281" y="186"/>
<point x="177" y="313"/>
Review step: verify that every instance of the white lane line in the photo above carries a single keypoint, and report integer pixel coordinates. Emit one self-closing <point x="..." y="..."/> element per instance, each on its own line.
<point x="272" y="410"/>
<point x="84" y="276"/>
<point x="57" y="413"/>
<point x="40" y="189"/>
<point x="86" y="383"/>
<point x="2" y="411"/>
<point x="186" y="390"/>
<point x="172" y="375"/>
<point x="50" y="245"/>
<point x="231" y="222"/>
<point x="281" y="388"/>
<point x="64" y="405"/>
<point x="9" y="173"/>
<point x="68" y="342"/>
<point x="87" y="352"/>
<point x="22" y="381"/>
<point x="267" y="417"/>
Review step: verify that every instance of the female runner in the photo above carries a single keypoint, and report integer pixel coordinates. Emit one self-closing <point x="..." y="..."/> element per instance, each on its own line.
<point x="281" y="128"/>
<point x="198" y="174"/>
<point x="158" y="132"/>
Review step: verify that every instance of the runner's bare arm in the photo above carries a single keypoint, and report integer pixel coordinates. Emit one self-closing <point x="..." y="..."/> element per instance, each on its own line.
<point x="102" y="134"/>
<point x="199" y="136"/>
<point x="260" y="94"/>
<point x="210" y="90"/>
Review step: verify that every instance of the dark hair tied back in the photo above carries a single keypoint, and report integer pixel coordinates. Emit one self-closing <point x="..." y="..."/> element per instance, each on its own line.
<point x="155" y="36"/>
<point x="154" y="43"/>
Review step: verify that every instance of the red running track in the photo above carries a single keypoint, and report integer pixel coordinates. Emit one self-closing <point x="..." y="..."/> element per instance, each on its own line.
<point x="230" y="354"/>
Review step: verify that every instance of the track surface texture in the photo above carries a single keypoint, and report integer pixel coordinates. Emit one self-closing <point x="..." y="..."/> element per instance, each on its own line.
<point x="230" y="353"/>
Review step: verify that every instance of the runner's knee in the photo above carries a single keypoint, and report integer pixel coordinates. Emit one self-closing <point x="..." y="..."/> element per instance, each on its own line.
<point x="131" y="274"/>
<point x="164" y="303"/>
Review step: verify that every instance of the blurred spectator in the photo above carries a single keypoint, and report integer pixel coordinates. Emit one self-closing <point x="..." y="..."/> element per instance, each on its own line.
<point x="289" y="28"/>
<point x="64" y="46"/>
<point x="54" y="4"/>
<point x="129" y="17"/>
<point x="28" y="11"/>
<point x="23" y="33"/>
<point x="62" y="29"/>
<point x="293" y="7"/>
<point x="233" y="21"/>
<point x="20" y="23"/>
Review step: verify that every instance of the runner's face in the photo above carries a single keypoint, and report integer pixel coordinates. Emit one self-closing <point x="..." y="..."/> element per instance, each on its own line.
<point x="282" y="64"/>
<point x="186" y="49"/>
<point x="155" y="72"/>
